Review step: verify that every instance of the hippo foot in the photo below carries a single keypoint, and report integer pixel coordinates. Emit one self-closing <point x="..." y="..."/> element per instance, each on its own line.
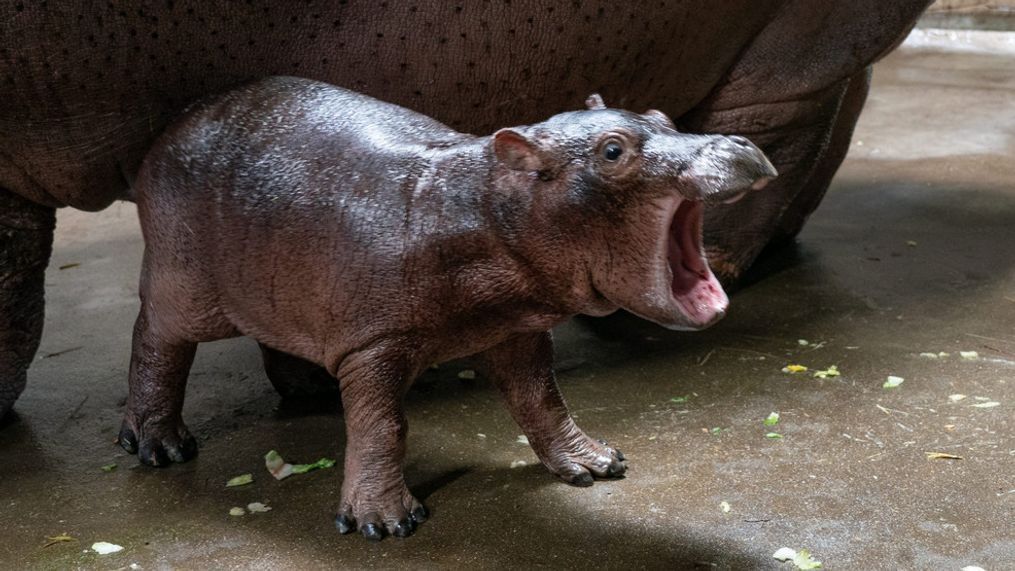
<point x="581" y="461"/>
<point x="157" y="443"/>
<point x="397" y="514"/>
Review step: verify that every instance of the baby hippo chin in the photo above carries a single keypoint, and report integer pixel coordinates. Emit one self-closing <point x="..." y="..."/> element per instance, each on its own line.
<point x="371" y="241"/>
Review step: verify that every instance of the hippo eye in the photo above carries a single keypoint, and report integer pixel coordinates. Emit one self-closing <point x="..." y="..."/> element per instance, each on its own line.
<point x="612" y="151"/>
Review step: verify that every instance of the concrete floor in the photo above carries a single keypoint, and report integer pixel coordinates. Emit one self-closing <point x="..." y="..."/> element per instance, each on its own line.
<point x="911" y="252"/>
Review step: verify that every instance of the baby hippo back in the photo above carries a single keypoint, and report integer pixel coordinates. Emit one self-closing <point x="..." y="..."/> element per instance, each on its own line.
<point x="280" y="192"/>
<point x="286" y="128"/>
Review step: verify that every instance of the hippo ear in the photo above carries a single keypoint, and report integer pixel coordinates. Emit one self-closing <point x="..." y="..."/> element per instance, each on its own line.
<point x="659" y="117"/>
<point x="517" y="151"/>
<point x="595" y="101"/>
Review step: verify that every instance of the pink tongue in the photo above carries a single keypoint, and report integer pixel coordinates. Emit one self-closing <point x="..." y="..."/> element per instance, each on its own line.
<point x="703" y="300"/>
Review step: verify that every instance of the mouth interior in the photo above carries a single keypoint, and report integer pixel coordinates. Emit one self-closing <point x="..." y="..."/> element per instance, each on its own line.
<point x="687" y="260"/>
<point x="693" y="285"/>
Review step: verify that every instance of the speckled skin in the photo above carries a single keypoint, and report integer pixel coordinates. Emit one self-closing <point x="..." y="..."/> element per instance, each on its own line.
<point x="86" y="87"/>
<point x="373" y="241"/>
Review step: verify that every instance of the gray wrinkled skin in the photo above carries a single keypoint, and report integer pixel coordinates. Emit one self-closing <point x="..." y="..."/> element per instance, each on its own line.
<point x="373" y="242"/>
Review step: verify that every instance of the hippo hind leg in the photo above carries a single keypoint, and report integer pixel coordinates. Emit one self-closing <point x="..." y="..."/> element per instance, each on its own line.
<point x="297" y="378"/>
<point x="168" y="328"/>
<point x="841" y="136"/>
<point x="153" y="425"/>
<point x="26" y="241"/>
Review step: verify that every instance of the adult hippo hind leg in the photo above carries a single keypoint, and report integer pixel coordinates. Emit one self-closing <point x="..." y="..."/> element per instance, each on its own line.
<point x="810" y="196"/>
<point x="296" y="378"/>
<point x="26" y="241"/>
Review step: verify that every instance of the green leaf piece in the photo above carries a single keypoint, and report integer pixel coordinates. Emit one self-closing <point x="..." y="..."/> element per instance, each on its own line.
<point x="773" y="435"/>
<point x="832" y="371"/>
<point x="681" y="400"/>
<point x="108" y="468"/>
<point x="892" y="382"/>
<point x="241" y="480"/>
<point x="277" y="466"/>
<point x="802" y="559"/>
<point x="772" y="419"/>
<point x="320" y="464"/>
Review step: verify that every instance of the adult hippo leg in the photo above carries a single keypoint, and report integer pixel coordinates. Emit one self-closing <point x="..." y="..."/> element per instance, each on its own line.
<point x="26" y="241"/>
<point x="813" y="190"/>
<point x="293" y="377"/>
<point x="522" y="368"/>
<point x="799" y="146"/>
<point x="796" y="92"/>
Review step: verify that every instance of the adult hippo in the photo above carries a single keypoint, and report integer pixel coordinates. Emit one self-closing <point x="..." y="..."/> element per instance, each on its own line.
<point x="87" y="86"/>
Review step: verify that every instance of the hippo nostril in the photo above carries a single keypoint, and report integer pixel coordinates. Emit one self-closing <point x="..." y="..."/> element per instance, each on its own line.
<point x="740" y="141"/>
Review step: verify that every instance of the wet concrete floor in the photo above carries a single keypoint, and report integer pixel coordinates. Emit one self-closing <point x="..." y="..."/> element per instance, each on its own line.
<point x="912" y="252"/>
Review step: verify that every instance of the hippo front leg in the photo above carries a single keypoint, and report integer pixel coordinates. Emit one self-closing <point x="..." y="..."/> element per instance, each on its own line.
<point x="522" y="368"/>
<point x="375" y="499"/>
<point x="26" y="240"/>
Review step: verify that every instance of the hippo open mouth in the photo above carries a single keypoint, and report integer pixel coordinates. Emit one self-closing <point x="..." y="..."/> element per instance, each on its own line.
<point x="694" y="288"/>
<point x="660" y="272"/>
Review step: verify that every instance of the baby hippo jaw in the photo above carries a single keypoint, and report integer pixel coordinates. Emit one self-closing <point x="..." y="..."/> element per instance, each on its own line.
<point x="682" y="293"/>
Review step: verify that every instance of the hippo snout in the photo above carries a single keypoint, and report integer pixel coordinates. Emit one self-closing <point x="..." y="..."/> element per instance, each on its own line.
<point x="725" y="169"/>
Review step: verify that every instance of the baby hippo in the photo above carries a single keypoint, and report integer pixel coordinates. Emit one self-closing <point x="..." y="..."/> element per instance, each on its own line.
<point x="375" y="242"/>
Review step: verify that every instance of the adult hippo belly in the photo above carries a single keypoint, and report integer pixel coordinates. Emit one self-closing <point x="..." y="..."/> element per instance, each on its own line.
<point x="85" y="87"/>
